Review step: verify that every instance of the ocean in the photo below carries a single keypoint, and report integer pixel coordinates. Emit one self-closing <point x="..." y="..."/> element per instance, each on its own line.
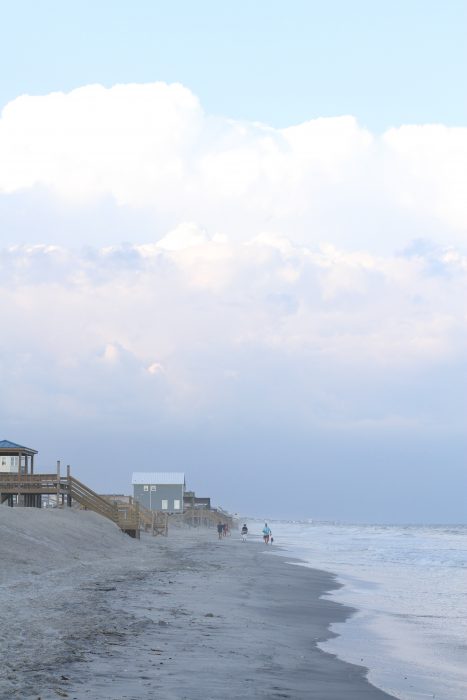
<point x="409" y="586"/>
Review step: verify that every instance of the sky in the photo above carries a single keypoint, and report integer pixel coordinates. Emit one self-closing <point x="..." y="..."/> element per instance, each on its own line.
<point x="233" y="243"/>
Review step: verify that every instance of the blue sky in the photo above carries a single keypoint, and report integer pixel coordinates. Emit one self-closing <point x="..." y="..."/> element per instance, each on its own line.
<point x="233" y="242"/>
<point x="386" y="63"/>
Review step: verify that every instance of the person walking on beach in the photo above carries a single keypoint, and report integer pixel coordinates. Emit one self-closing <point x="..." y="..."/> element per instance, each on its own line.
<point x="244" y="532"/>
<point x="266" y="533"/>
<point x="220" y="530"/>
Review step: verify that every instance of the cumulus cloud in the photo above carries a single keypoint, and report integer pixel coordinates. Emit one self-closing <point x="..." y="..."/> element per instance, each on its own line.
<point x="151" y="148"/>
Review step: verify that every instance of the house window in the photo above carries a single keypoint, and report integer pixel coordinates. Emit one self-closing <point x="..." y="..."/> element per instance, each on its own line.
<point x="153" y="488"/>
<point x="165" y="504"/>
<point x="176" y="504"/>
<point x="3" y="461"/>
<point x="145" y="488"/>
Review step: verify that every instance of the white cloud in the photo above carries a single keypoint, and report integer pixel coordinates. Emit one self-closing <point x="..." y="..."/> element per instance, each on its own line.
<point x="184" y="236"/>
<point x="111" y="354"/>
<point x="155" y="368"/>
<point x="430" y="170"/>
<point x="152" y="149"/>
<point x="126" y="141"/>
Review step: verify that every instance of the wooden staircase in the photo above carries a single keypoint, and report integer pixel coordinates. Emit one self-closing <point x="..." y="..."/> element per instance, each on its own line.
<point x="90" y="500"/>
<point x="155" y="522"/>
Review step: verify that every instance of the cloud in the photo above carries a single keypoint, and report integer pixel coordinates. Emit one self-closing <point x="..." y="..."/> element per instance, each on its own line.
<point x="151" y="149"/>
<point x="430" y="163"/>
<point x="184" y="236"/>
<point x="126" y="141"/>
<point x="234" y="293"/>
<point x="194" y="314"/>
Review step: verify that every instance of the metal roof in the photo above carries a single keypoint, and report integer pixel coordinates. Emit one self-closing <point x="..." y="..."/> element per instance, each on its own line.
<point x="158" y="478"/>
<point x="8" y="445"/>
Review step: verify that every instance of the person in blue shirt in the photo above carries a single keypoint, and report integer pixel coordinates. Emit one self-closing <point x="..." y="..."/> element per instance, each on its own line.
<point x="266" y="533"/>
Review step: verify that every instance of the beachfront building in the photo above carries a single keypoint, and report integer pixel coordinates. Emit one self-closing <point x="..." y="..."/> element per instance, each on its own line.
<point x="16" y="458"/>
<point x="159" y="490"/>
<point x="191" y="500"/>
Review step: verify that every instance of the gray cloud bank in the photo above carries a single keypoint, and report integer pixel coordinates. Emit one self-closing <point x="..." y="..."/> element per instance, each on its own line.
<point x="286" y="321"/>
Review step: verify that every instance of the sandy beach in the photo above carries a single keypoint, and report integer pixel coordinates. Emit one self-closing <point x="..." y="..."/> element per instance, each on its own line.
<point x="89" y="613"/>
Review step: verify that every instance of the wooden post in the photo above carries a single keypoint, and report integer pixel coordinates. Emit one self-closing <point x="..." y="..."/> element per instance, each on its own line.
<point x="58" y="483"/>
<point x="19" y="478"/>
<point x="32" y="464"/>
<point x="68" y="476"/>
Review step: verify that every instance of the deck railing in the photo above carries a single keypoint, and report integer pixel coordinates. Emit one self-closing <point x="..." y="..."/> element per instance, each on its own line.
<point x="12" y="482"/>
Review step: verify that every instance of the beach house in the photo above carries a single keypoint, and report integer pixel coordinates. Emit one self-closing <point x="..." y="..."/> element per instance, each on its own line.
<point x="16" y="458"/>
<point x="159" y="490"/>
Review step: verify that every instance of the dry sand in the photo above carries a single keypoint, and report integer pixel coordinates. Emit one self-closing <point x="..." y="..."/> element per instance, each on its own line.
<point x="88" y="613"/>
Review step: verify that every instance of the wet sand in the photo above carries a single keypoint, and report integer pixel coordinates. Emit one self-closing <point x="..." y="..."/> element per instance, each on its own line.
<point x="89" y="613"/>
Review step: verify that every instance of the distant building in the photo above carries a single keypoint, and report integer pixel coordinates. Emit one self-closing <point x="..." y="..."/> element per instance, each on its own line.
<point x="159" y="490"/>
<point x="191" y="500"/>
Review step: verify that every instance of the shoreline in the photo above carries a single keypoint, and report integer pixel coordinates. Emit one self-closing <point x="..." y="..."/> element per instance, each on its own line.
<point x="404" y="630"/>
<point x="187" y="617"/>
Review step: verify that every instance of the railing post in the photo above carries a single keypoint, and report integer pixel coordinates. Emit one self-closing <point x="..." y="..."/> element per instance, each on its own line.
<point x="68" y="477"/>
<point x="58" y="483"/>
<point x="18" y="498"/>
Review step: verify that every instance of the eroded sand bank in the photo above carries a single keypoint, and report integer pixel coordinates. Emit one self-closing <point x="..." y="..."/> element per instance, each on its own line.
<point x="88" y="613"/>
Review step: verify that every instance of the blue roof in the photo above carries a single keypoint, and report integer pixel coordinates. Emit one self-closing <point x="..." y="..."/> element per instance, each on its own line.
<point x="8" y="445"/>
